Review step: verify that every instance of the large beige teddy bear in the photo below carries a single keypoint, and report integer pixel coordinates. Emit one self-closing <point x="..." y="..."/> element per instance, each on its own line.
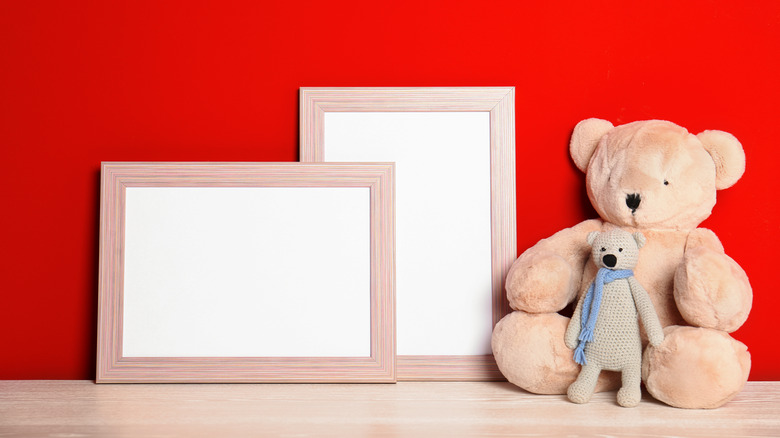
<point x="655" y="178"/>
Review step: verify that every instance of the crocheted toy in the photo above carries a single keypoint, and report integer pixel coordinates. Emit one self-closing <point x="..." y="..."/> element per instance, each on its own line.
<point x="604" y="330"/>
<point x="656" y="178"/>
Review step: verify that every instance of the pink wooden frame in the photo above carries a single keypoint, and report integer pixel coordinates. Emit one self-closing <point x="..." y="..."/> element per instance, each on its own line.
<point x="112" y="367"/>
<point x="499" y="102"/>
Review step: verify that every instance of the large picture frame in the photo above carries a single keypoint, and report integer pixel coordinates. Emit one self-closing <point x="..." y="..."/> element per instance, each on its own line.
<point x="246" y="272"/>
<point x="429" y="132"/>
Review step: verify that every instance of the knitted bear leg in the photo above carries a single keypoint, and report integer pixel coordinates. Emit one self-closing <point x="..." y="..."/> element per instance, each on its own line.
<point x="582" y="389"/>
<point x="630" y="393"/>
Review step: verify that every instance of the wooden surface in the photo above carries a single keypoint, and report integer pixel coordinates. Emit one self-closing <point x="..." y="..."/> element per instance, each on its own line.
<point x="408" y="409"/>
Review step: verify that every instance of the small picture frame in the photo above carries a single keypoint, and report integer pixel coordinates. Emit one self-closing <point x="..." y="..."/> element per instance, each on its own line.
<point x="246" y="272"/>
<point x="454" y="149"/>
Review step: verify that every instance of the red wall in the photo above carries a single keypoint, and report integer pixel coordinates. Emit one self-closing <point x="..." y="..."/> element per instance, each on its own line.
<point x="85" y="82"/>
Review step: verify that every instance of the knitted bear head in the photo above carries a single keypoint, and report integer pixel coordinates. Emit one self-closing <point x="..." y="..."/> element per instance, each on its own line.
<point x="615" y="249"/>
<point x="654" y="174"/>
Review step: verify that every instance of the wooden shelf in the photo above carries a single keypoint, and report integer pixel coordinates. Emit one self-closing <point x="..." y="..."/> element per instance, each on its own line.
<point x="407" y="409"/>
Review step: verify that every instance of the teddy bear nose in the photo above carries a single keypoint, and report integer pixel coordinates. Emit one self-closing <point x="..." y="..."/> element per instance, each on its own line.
<point x="609" y="260"/>
<point x="632" y="201"/>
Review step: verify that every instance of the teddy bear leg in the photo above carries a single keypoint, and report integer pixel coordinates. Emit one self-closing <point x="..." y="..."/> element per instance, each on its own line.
<point x="530" y="352"/>
<point x="582" y="389"/>
<point x="695" y="367"/>
<point x="630" y="393"/>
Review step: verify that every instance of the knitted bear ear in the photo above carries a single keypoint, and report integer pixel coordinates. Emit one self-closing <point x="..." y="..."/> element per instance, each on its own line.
<point x="585" y="138"/>
<point x="640" y="239"/>
<point x="592" y="237"/>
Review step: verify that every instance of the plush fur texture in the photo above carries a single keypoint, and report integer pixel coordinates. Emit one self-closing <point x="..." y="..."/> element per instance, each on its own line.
<point x="656" y="178"/>
<point x="696" y="367"/>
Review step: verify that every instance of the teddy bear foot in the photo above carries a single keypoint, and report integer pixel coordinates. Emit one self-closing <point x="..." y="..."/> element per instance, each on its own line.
<point x="530" y="353"/>
<point x="695" y="367"/>
<point x="628" y="397"/>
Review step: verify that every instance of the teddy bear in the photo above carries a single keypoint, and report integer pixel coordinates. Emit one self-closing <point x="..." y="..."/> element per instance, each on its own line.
<point x="604" y="330"/>
<point x="656" y="178"/>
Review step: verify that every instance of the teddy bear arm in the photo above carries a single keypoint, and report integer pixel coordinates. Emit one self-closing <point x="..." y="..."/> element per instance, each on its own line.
<point x="710" y="289"/>
<point x="647" y="313"/>
<point x="547" y="276"/>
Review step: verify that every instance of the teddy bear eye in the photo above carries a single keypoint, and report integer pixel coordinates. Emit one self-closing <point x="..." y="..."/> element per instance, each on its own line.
<point x="666" y="183"/>
<point x="620" y="249"/>
<point x="603" y="249"/>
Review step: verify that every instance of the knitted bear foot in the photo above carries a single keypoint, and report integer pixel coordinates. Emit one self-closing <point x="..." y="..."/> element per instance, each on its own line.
<point x="578" y="394"/>
<point x="628" y="397"/>
<point x="582" y="389"/>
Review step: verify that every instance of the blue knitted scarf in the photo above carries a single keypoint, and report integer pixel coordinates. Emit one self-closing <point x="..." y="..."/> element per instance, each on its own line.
<point x="591" y="305"/>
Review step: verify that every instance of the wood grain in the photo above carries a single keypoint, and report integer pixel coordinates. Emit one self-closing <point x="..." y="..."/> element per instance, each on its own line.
<point x="409" y="409"/>
<point x="448" y="368"/>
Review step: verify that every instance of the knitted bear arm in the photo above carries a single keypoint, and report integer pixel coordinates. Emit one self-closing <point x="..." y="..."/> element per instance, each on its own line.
<point x="575" y="325"/>
<point x="646" y="310"/>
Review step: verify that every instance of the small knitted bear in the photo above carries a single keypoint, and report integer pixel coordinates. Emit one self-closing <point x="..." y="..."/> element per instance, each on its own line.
<point x="604" y="330"/>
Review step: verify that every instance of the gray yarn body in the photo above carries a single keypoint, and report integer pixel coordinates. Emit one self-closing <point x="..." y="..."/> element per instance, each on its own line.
<point x="616" y="339"/>
<point x="617" y="343"/>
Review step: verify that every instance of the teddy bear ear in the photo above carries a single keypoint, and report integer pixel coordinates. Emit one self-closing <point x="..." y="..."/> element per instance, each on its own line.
<point x="585" y="138"/>
<point x="728" y="155"/>
<point x="640" y="239"/>
<point x="592" y="237"/>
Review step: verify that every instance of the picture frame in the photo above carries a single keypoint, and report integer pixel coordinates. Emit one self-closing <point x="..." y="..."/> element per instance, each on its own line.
<point x="392" y="124"/>
<point x="246" y="272"/>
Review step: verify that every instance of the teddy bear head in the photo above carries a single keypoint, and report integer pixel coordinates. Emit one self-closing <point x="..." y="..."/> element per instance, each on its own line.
<point x="615" y="249"/>
<point x="654" y="174"/>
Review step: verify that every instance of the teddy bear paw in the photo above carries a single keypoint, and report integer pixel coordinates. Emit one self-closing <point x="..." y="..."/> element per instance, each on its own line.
<point x="540" y="282"/>
<point x="712" y="290"/>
